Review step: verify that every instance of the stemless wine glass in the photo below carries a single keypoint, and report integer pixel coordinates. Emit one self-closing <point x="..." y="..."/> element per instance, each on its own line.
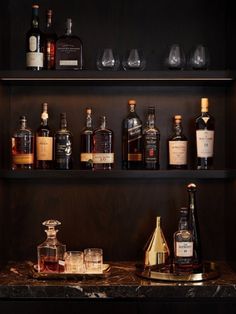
<point x="175" y="58"/>
<point x="134" y="60"/>
<point x="108" y="59"/>
<point x="199" y="58"/>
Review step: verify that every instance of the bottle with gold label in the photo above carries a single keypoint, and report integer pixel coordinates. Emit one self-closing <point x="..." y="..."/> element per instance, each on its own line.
<point x="44" y="142"/>
<point x="86" y="143"/>
<point x="23" y="147"/>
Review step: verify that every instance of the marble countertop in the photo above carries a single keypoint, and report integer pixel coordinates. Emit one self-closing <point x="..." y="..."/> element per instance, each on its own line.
<point x="16" y="282"/>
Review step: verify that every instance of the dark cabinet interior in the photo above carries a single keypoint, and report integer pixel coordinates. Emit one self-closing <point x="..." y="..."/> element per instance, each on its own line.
<point x="117" y="210"/>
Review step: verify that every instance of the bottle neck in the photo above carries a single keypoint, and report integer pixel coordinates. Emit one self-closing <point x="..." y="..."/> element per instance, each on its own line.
<point x="35" y="18"/>
<point x="151" y="120"/>
<point x="183" y="223"/>
<point x="63" y="124"/>
<point x="68" y="27"/>
<point x="49" y="21"/>
<point x="132" y="108"/>
<point x="178" y="128"/>
<point x="23" y="124"/>
<point x="103" y="123"/>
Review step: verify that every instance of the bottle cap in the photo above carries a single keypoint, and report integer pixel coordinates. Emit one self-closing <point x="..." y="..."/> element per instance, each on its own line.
<point x="22" y="118"/>
<point x="88" y="110"/>
<point x="204" y="104"/>
<point x="132" y="102"/>
<point x="35" y="6"/>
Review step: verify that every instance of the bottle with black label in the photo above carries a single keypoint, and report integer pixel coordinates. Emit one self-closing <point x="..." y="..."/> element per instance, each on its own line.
<point x="34" y="43"/>
<point x="63" y="145"/>
<point x="132" y="146"/>
<point x="151" y="142"/>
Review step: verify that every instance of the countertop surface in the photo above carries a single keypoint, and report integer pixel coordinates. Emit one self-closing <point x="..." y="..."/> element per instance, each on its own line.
<point x="16" y="281"/>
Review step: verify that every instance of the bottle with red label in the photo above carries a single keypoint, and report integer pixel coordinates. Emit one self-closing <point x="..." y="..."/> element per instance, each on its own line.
<point x="50" y="38"/>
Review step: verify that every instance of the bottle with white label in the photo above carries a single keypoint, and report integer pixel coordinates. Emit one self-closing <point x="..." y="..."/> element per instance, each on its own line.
<point x="178" y="146"/>
<point x="183" y="244"/>
<point x="205" y="126"/>
<point x="34" y="43"/>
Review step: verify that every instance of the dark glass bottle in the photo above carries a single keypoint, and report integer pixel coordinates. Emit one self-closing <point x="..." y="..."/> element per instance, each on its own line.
<point x="194" y="226"/>
<point x="86" y="143"/>
<point x="50" y="38"/>
<point x="23" y="147"/>
<point x="44" y="142"/>
<point x="103" y="153"/>
<point x="132" y="146"/>
<point x="151" y="142"/>
<point x="63" y="145"/>
<point x="183" y="244"/>
<point x="177" y="146"/>
<point x="205" y="127"/>
<point x="34" y="43"/>
<point x="69" y="50"/>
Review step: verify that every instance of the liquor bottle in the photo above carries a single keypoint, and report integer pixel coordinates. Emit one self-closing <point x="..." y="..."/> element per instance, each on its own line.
<point x="51" y="251"/>
<point x="103" y="154"/>
<point x="34" y="43"/>
<point x="151" y="142"/>
<point x="177" y="145"/>
<point x="44" y="142"/>
<point x="63" y="145"/>
<point x="183" y="244"/>
<point x="157" y="252"/>
<point x="194" y="226"/>
<point x="86" y="143"/>
<point x="132" y="146"/>
<point x="23" y="147"/>
<point x="50" y="38"/>
<point x="69" y="50"/>
<point x="205" y="126"/>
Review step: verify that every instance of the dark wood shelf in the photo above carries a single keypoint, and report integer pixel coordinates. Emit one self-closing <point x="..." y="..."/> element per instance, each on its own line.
<point x="117" y="174"/>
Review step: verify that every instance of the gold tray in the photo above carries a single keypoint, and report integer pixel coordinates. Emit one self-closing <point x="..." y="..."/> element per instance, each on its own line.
<point x="35" y="274"/>
<point x="209" y="270"/>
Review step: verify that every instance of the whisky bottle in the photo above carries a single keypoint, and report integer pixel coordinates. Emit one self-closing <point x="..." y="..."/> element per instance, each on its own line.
<point x="194" y="225"/>
<point x="151" y="142"/>
<point x="183" y="244"/>
<point x="50" y="38"/>
<point x="69" y="50"/>
<point x="86" y="143"/>
<point x="157" y="252"/>
<point x="103" y="154"/>
<point x="177" y="145"/>
<point x="23" y="147"/>
<point x="44" y="142"/>
<point x="205" y="127"/>
<point x="132" y="146"/>
<point x="34" y="43"/>
<point x="63" y="145"/>
<point x="51" y="251"/>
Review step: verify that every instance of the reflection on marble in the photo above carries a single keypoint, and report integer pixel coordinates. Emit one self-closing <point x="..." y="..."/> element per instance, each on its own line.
<point x="122" y="282"/>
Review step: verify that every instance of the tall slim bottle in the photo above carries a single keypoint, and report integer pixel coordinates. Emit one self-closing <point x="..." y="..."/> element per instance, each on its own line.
<point x="194" y="225"/>
<point x="132" y="145"/>
<point x="205" y="131"/>
<point x="50" y="38"/>
<point x="151" y="142"/>
<point x="34" y="43"/>
<point x="63" y="145"/>
<point x="86" y="143"/>
<point x="44" y="142"/>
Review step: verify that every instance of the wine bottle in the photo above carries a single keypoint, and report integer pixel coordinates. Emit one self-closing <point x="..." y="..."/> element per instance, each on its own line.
<point x="44" y="142"/>
<point x="50" y="38"/>
<point x="194" y="225"/>
<point x="86" y="143"/>
<point x="151" y="142"/>
<point x="205" y="127"/>
<point x="177" y="145"/>
<point x="132" y="146"/>
<point x="63" y="145"/>
<point x="34" y="43"/>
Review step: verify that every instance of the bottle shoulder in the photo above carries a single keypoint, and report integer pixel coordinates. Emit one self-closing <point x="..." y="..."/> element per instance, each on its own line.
<point x="63" y="132"/>
<point x="151" y="131"/>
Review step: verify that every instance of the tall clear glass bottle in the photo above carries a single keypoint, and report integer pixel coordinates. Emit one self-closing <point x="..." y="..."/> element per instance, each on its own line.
<point x="151" y="142"/>
<point x="34" y="42"/>
<point x="44" y="142"/>
<point x="177" y="146"/>
<point x="132" y="144"/>
<point x="23" y="147"/>
<point x="69" y="50"/>
<point x="205" y="131"/>
<point x="63" y="145"/>
<point x="51" y="251"/>
<point x="103" y="151"/>
<point x="183" y="244"/>
<point x="50" y="38"/>
<point x="86" y="143"/>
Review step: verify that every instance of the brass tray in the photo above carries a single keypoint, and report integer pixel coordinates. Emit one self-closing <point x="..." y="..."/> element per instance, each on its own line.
<point x="209" y="270"/>
<point x="63" y="276"/>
